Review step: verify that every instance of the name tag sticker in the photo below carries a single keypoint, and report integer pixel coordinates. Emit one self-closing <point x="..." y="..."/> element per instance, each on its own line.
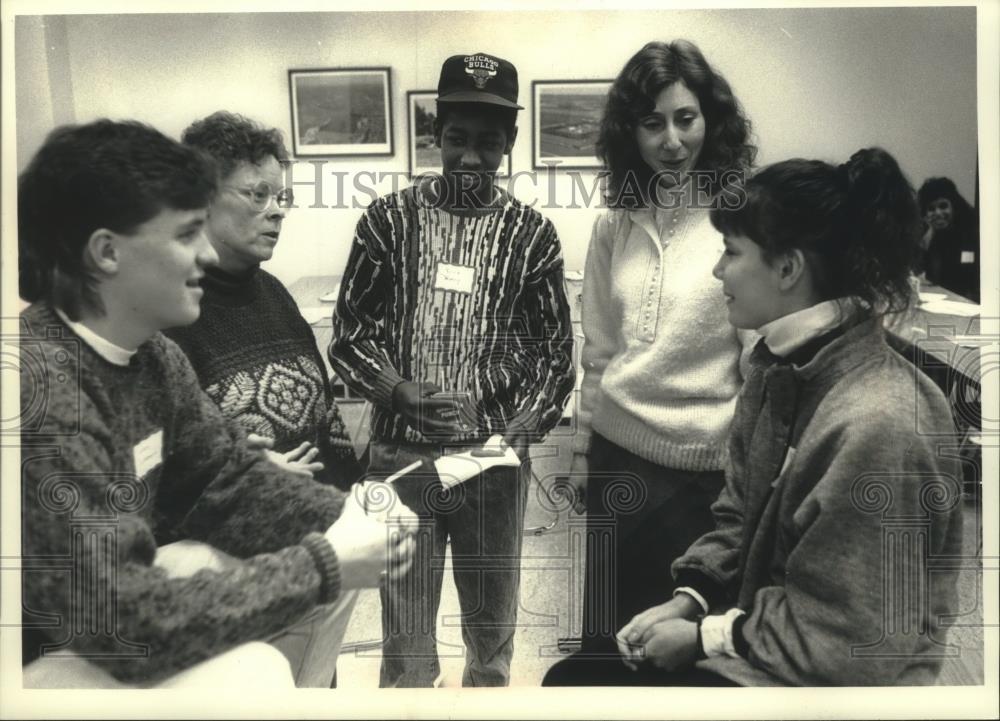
<point x="148" y="454"/>
<point x="968" y="256"/>
<point x="454" y="278"/>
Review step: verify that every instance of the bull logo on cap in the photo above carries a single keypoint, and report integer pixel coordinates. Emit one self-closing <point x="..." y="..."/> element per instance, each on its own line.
<point x="481" y="69"/>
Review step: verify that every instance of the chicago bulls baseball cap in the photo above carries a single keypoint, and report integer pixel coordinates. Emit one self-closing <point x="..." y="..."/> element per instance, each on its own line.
<point x="478" y="78"/>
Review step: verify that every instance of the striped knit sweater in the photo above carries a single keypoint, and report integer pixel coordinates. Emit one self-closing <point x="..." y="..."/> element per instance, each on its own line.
<point x="256" y="357"/>
<point x="507" y="341"/>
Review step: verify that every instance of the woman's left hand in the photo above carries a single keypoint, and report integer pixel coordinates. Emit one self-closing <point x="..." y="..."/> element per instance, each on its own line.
<point x="301" y="460"/>
<point x="671" y="644"/>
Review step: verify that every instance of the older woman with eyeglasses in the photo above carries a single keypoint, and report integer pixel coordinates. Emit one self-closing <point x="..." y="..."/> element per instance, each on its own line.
<point x="254" y="353"/>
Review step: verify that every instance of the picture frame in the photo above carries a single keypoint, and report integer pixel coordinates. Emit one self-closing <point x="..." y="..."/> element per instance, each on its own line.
<point x="565" y="120"/>
<point x="341" y="111"/>
<point x="425" y="156"/>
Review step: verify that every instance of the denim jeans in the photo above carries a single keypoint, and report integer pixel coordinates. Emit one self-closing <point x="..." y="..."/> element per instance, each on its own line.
<point x="483" y="517"/>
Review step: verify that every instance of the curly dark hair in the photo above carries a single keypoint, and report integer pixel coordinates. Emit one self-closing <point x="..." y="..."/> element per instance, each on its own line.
<point x="105" y="174"/>
<point x="633" y="94"/>
<point x="934" y="188"/>
<point x="233" y="139"/>
<point x="857" y="224"/>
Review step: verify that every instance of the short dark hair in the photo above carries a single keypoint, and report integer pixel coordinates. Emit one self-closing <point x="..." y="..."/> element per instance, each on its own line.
<point x="633" y="94"/>
<point x="857" y="224"/>
<point x="105" y="174"/>
<point x="507" y="116"/>
<point x="232" y="139"/>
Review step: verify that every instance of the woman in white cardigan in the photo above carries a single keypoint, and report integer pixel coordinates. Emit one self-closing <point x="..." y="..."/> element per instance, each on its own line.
<point x="661" y="361"/>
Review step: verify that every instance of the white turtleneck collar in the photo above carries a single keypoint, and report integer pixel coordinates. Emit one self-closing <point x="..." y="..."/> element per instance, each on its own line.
<point x="110" y="352"/>
<point x="787" y="334"/>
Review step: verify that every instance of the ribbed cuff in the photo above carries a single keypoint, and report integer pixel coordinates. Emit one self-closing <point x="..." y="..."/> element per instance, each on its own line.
<point x="691" y="593"/>
<point x="325" y="558"/>
<point x="714" y="594"/>
<point x="383" y="386"/>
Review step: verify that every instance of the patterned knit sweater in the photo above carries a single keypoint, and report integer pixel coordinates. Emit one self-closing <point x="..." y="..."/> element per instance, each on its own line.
<point x="117" y="459"/>
<point x="474" y="302"/>
<point x="256" y="356"/>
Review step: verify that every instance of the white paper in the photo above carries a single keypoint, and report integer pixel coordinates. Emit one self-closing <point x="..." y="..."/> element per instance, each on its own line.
<point x="968" y="256"/>
<point x="314" y="315"/>
<point x="457" y="468"/>
<point x="951" y="307"/>
<point x="928" y="297"/>
<point x="332" y="296"/>
<point x="456" y="278"/>
<point x="973" y="341"/>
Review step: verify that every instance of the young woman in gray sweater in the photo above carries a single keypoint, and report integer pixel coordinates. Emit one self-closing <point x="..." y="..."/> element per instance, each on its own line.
<point x="828" y="561"/>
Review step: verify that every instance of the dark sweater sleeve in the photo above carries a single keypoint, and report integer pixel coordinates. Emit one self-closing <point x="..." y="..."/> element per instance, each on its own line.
<point x="358" y="352"/>
<point x="549" y="354"/>
<point x="84" y="520"/>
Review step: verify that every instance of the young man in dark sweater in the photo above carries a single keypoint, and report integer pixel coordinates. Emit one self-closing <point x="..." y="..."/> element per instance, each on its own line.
<point x="453" y="322"/>
<point x="122" y="451"/>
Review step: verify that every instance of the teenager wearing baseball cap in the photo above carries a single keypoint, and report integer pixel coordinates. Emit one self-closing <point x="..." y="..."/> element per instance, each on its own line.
<point x="454" y="323"/>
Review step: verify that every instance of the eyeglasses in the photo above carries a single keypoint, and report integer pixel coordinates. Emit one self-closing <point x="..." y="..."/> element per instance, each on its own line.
<point x="260" y="196"/>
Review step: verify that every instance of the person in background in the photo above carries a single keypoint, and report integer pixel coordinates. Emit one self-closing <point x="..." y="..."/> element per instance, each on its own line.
<point x="808" y="579"/>
<point x="127" y="450"/>
<point x="951" y="259"/>
<point x="254" y="353"/>
<point x="453" y="321"/>
<point x="661" y="363"/>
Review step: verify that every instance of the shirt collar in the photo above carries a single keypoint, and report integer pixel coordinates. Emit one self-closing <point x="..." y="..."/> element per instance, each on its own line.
<point x="788" y="333"/>
<point x="110" y="352"/>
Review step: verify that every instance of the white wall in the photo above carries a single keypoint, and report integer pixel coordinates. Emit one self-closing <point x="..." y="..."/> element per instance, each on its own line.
<point x="815" y="82"/>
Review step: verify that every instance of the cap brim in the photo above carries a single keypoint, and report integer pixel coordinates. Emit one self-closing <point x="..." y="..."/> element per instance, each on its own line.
<point x="474" y="96"/>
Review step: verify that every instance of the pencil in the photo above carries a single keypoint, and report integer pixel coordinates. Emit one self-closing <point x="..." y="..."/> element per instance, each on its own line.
<point x="402" y="472"/>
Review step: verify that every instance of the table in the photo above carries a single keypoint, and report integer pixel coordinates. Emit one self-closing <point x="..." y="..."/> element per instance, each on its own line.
<point x="306" y="292"/>
<point x="934" y="335"/>
<point x="947" y="348"/>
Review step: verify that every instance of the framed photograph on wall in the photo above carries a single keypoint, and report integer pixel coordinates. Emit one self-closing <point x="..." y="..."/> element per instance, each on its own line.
<point x="566" y="117"/>
<point x="341" y="111"/>
<point x="425" y="156"/>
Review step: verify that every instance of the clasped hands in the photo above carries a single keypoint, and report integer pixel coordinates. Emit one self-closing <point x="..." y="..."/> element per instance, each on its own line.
<point x="665" y="635"/>
<point x="446" y="415"/>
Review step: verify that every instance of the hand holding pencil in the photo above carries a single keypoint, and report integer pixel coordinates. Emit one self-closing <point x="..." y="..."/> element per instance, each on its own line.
<point x="374" y="544"/>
